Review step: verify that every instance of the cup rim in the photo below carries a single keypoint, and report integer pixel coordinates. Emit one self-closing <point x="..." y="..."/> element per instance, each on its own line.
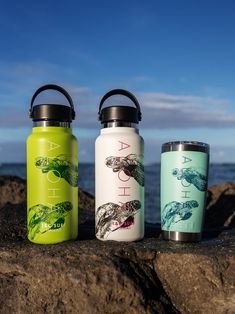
<point x="185" y="146"/>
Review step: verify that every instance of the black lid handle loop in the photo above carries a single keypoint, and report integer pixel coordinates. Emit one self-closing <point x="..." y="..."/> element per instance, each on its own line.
<point x="124" y="93"/>
<point x="56" y="88"/>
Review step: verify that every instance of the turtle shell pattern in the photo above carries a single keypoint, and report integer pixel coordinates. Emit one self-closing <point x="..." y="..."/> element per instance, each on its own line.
<point x="175" y="212"/>
<point x="60" y="166"/>
<point x="132" y="166"/>
<point x="42" y="218"/>
<point x="111" y="212"/>
<point x="192" y="176"/>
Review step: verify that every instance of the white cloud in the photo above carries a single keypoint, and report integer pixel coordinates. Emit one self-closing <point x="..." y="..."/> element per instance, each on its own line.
<point x="159" y="100"/>
<point x="160" y="110"/>
<point x="19" y="81"/>
<point x="178" y="111"/>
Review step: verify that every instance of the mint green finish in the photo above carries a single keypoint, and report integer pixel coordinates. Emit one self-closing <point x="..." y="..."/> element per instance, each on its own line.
<point x="182" y="201"/>
<point x="52" y="189"/>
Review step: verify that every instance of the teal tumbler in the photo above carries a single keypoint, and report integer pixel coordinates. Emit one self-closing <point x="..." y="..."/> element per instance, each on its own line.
<point x="184" y="179"/>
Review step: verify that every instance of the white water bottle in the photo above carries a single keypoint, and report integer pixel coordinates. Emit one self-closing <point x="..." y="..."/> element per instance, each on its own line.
<point x="119" y="172"/>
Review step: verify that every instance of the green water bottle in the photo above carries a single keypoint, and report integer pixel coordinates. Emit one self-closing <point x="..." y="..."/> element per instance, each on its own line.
<point x="52" y="172"/>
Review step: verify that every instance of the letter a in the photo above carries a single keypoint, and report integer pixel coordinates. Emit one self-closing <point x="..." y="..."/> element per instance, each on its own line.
<point x="186" y="159"/>
<point x="52" y="145"/>
<point x="124" y="145"/>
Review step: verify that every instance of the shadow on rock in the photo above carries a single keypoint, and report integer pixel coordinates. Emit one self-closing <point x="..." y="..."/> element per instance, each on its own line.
<point x="220" y="212"/>
<point x="145" y="278"/>
<point x="13" y="222"/>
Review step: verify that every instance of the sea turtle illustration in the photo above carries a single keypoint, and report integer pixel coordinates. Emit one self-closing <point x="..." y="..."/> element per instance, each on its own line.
<point x="191" y="176"/>
<point x="109" y="213"/>
<point x="174" y="212"/>
<point x="60" y="166"/>
<point x="42" y="218"/>
<point x="131" y="165"/>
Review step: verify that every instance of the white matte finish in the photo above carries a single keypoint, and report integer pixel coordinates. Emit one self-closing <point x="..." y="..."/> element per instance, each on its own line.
<point x="117" y="187"/>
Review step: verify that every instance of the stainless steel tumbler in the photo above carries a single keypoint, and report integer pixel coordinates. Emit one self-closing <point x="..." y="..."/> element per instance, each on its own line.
<point x="184" y="177"/>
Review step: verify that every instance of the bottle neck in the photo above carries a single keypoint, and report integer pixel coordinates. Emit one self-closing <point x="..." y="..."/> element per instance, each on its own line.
<point x="119" y="130"/>
<point x="51" y="123"/>
<point x="115" y="124"/>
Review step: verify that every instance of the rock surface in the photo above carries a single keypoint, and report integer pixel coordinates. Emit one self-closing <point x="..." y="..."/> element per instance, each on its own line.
<point x="12" y="190"/>
<point x="89" y="276"/>
<point x="221" y="206"/>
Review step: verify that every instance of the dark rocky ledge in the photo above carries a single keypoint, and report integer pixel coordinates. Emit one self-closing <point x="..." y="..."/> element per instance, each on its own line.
<point x="89" y="276"/>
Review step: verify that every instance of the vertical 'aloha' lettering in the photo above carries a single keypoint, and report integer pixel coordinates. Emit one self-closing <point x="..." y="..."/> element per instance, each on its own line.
<point x="123" y="145"/>
<point x="184" y="183"/>
<point x="52" y="146"/>
<point x="186" y="159"/>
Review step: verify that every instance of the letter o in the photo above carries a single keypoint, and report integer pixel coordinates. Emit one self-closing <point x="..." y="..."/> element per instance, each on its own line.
<point x="185" y="185"/>
<point x="123" y="180"/>
<point x="57" y="179"/>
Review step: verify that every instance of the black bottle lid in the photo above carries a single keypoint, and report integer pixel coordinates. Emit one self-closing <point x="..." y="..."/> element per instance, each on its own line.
<point x="52" y="112"/>
<point x="120" y="113"/>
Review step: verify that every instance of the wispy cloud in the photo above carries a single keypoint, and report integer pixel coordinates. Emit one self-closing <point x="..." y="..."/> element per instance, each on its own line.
<point x="175" y="111"/>
<point x="19" y="81"/>
<point x="160" y="110"/>
<point x="166" y="111"/>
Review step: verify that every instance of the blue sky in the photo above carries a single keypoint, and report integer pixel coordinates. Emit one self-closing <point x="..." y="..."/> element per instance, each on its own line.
<point x="177" y="57"/>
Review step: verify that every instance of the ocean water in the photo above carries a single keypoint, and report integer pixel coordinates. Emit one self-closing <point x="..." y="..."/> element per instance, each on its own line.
<point x="218" y="173"/>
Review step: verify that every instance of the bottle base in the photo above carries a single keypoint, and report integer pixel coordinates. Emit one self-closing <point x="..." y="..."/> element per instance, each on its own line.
<point x="181" y="236"/>
<point x="51" y="242"/>
<point x="122" y="240"/>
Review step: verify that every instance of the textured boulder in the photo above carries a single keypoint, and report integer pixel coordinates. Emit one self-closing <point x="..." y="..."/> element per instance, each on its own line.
<point x="12" y="190"/>
<point x="90" y="276"/>
<point x="80" y="277"/>
<point x="200" y="278"/>
<point x="221" y="206"/>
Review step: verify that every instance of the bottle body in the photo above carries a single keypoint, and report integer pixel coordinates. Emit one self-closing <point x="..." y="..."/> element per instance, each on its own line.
<point x="184" y="176"/>
<point x="52" y="185"/>
<point x="119" y="184"/>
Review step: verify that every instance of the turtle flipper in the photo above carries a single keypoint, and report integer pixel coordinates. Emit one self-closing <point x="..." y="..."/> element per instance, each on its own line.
<point x="60" y="166"/>
<point x="131" y="165"/>
<point x="200" y="182"/>
<point x="67" y="171"/>
<point x="196" y="178"/>
<point x="125" y="224"/>
<point x="193" y="177"/>
<point x="104" y="218"/>
<point x="175" y="212"/>
<point x="54" y="219"/>
<point x="169" y="212"/>
<point x="70" y="174"/>
<point x="47" y="218"/>
<point x="111" y="217"/>
<point x="135" y="167"/>
<point x="137" y="172"/>
<point x="36" y="214"/>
